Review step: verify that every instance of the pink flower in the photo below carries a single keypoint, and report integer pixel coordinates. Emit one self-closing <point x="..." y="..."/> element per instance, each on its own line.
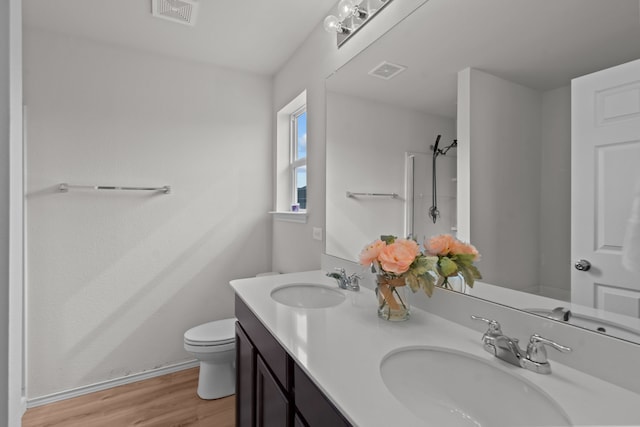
<point x="440" y="245"/>
<point x="397" y="257"/>
<point x="370" y="252"/>
<point x="411" y="245"/>
<point x="465" y="248"/>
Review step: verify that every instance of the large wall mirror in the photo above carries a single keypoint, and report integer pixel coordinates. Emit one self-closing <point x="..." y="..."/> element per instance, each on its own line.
<point x="388" y="105"/>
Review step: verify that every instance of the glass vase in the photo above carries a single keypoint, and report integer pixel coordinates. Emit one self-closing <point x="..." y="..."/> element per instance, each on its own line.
<point x="393" y="298"/>
<point x="456" y="282"/>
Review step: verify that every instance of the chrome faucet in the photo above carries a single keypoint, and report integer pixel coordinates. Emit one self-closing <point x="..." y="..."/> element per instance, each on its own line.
<point x="508" y="349"/>
<point x="350" y="283"/>
<point x="560" y="313"/>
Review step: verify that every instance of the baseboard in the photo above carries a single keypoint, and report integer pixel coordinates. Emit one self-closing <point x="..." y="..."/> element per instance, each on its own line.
<point x="92" y="388"/>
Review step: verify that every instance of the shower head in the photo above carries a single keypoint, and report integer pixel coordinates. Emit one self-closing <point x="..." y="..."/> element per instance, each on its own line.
<point x="435" y="146"/>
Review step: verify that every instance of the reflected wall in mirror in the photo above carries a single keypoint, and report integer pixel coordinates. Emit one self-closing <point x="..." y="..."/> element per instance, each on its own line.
<point x="514" y="161"/>
<point x="367" y="142"/>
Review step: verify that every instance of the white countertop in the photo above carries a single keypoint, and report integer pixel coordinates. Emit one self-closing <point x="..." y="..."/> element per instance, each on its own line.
<point x="341" y="349"/>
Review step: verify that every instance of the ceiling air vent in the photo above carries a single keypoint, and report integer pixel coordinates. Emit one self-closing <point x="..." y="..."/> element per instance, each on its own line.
<point x="182" y="11"/>
<point x="387" y="70"/>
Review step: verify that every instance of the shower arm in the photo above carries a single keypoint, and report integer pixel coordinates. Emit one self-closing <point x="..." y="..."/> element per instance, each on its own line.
<point x="446" y="149"/>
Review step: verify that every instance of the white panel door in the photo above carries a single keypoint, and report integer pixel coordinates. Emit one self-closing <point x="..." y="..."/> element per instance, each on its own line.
<point x="605" y="167"/>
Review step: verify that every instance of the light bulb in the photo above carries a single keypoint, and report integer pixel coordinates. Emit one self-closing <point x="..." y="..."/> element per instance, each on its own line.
<point x="332" y="24"/>
<point x="346" y="8"/>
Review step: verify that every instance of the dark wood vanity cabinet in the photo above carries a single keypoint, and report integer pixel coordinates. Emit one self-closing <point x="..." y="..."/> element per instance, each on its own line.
<point x="314" y="406"/>
<point x="262" y="392"/>
<point x="271" y="390"/>
<point x="272" y="403"/>
<point x="245" y="379"/>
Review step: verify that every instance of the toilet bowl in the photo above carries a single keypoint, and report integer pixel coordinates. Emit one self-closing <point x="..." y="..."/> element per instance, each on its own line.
<point x="214" y="345"/>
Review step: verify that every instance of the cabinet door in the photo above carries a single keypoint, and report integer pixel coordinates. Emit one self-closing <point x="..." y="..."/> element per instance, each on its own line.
<point x="272" y="405"/>
<point x="245" y="379"/>
<point x="266" y="345"/>
<point x="297" y="421"/>
<point x="313" y="405"/>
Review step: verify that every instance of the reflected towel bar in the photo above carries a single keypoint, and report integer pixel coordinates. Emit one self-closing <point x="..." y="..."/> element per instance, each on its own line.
<point x="353" y="195"/>
<point x="64" y="188"/>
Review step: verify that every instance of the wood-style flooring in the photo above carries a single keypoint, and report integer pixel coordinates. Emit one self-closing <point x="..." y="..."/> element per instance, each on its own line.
<point x="165" y="401"/>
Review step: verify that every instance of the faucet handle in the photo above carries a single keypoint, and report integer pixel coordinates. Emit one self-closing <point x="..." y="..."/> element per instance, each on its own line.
<point x="536" y="351"/>
<point x="341" y="270"/>
<point x="494" y="326"/>
<point x="560" y="313"/>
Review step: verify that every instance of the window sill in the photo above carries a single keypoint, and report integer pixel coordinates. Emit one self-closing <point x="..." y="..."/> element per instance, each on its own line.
<point x="299" y="217"/>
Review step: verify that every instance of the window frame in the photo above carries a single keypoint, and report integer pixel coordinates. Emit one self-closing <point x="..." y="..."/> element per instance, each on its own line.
<point x="283" y="176"/>
<point x="294" y="161"/>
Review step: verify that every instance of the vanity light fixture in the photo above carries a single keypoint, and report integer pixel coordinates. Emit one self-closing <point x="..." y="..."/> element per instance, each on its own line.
<point x="352" y="15"/>
<point x="349" y="8"/>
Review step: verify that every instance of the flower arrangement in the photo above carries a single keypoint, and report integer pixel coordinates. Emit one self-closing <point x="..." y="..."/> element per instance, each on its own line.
<point x="397" y="263"/>
<point x="393" y="258"/>
<point x="453" y="257"/>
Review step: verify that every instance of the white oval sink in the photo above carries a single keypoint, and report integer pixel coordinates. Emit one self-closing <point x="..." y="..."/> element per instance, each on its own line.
<point x="459" y="389"/>
<point x="307" y="295"/>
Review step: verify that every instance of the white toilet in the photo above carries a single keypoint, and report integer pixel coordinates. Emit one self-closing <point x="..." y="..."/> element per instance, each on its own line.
<point x="214" y="345"/>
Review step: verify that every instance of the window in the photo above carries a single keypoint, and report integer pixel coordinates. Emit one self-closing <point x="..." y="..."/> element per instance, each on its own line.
<point x="291" y="161"/>
<point x="298" y="165"/>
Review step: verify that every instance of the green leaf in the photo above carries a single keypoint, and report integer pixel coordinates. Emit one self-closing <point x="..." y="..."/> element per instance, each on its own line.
<point x="466" y="259"/>
<point x="423" y="264"/>
<point x="467" y="274"/>
<point x="388" y="239"/>
<point x="412" y="281"/>
<point x="470" y="274"/>
<point x="427" y="284"/>
<point x="447" y="266"/>
<point x="475" y="271"/>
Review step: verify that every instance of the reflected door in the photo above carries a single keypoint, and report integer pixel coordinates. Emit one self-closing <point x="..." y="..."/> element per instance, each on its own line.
<point x="605" y="167"/>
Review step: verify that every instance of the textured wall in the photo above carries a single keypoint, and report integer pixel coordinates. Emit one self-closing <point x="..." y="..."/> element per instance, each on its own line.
<point x="114" y="279"/>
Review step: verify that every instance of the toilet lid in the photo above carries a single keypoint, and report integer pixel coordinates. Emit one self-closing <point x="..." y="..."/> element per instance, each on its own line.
<point x="213" y="333"/>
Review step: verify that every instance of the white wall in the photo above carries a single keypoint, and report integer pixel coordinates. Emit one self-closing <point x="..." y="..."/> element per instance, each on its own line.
<point x="17" y="402"/>
<point x="366" y="145"/>
<point x="503" y="121"/>
<point x="539" y="126"/>
<point x="316" y="58"/>
<point x="12" y="404"/>
<point x="114" y="279"/>
<point x="4" y="209"/>
<point x="555" y="198"/>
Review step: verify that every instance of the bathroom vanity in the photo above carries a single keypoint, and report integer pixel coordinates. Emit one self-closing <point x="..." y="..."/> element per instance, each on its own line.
<point x="271" y="388"/>
<point x="320" y="356"/>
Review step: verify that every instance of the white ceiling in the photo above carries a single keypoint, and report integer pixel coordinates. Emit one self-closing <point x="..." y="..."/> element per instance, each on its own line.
<point x="541" y="44"/>
<point x="253" y="35"/>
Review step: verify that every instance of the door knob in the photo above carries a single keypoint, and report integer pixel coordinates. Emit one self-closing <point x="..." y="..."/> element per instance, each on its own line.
<point x="582" y="265"/>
